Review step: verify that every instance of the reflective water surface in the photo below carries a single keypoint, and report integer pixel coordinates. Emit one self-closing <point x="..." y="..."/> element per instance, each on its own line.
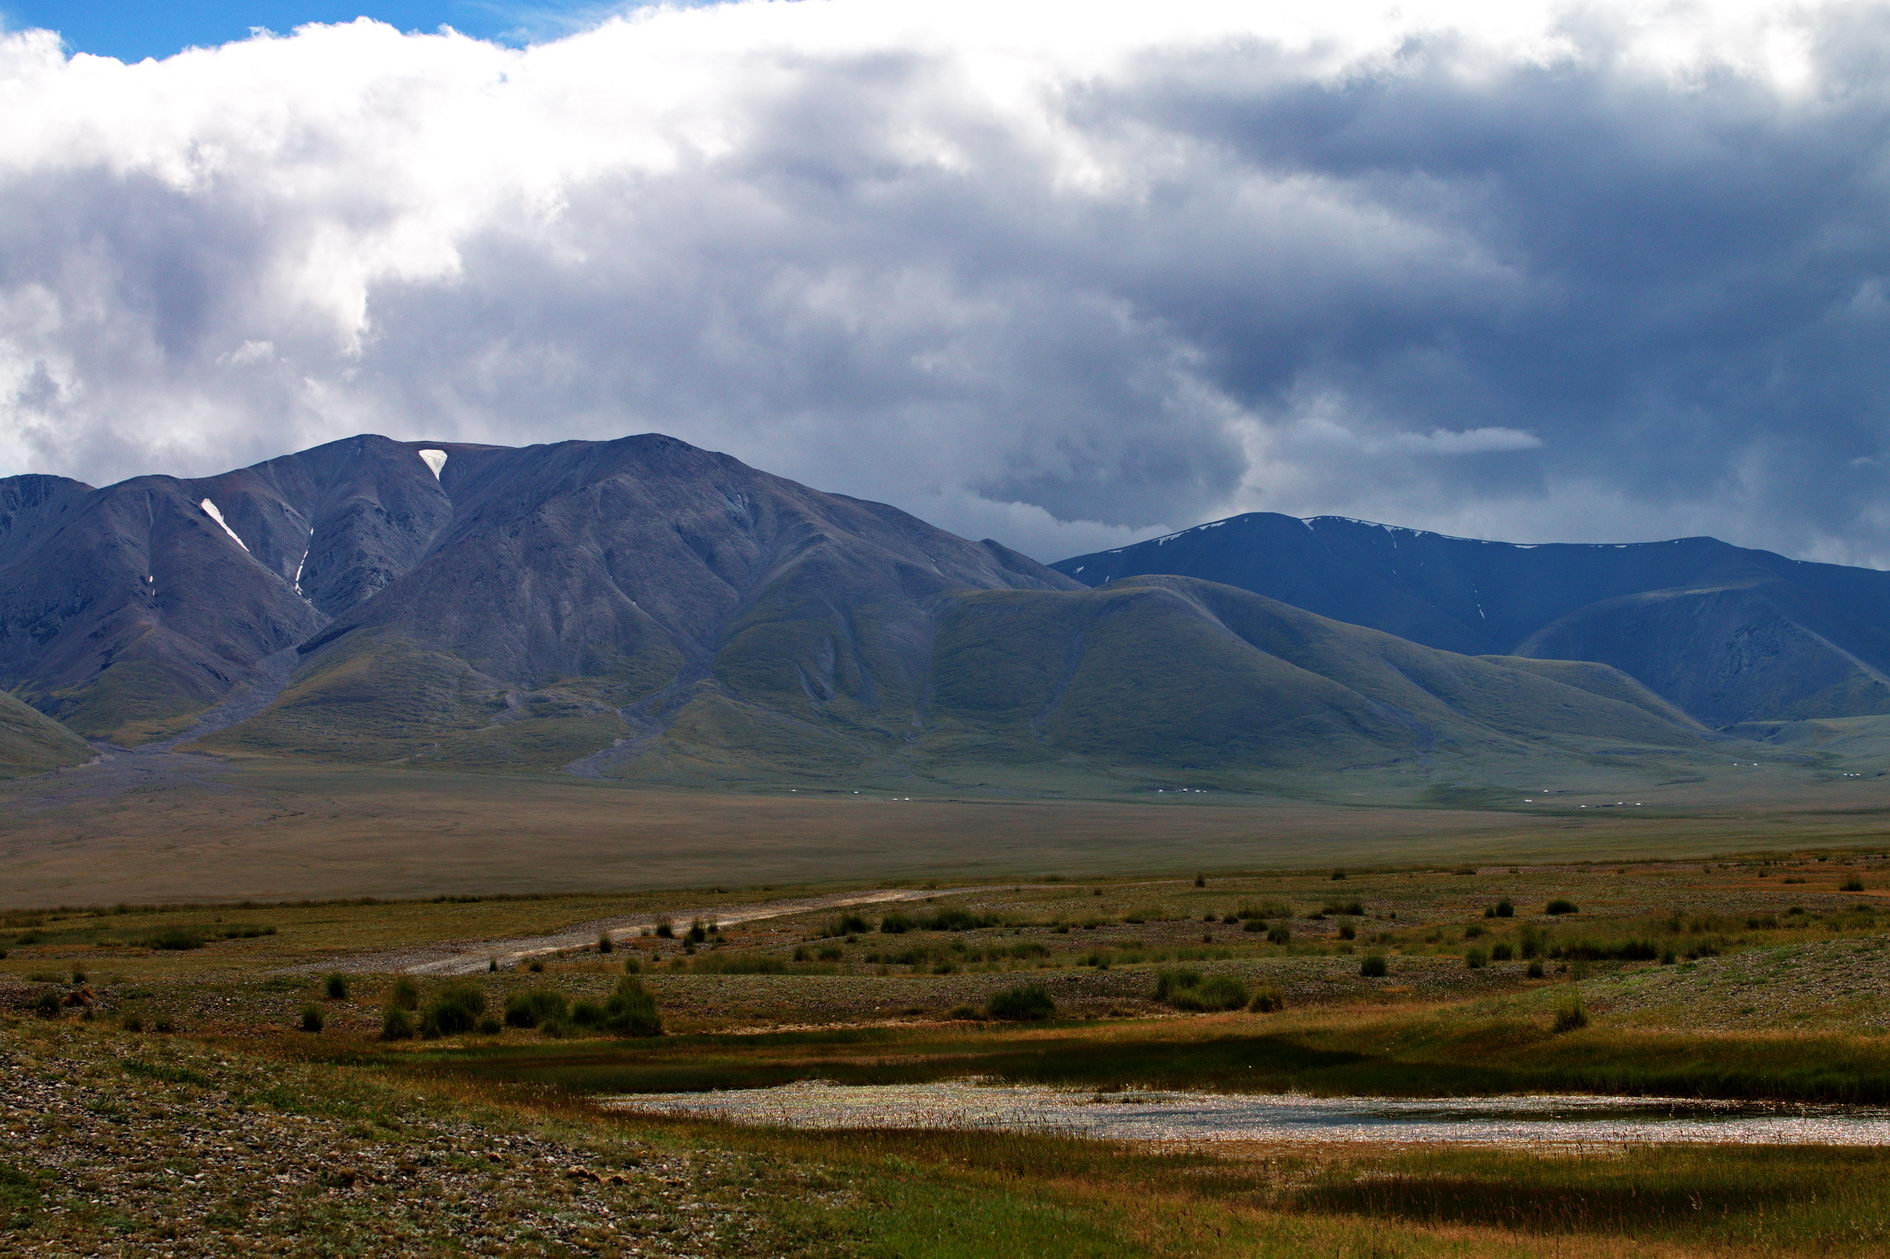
<point x="1164" y="1116"/>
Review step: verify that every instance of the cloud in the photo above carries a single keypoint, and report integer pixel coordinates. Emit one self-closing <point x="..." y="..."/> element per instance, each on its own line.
<point x="1469" y="441"/>
<point x="1061" y="274"/>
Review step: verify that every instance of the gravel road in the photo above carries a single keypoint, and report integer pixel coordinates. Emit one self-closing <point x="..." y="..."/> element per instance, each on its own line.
<point x="468" y="957"/>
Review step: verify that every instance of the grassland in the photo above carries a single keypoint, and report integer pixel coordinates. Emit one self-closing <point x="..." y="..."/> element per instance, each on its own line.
<point x="1749" y="977"/>
<point x="177" y="827"/>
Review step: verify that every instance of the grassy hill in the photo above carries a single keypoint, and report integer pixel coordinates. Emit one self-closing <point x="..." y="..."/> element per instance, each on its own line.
<point x="32" y="744"/>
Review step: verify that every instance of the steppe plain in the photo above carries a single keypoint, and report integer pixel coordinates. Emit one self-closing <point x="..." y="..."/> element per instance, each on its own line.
<point x="168" y="1092"/>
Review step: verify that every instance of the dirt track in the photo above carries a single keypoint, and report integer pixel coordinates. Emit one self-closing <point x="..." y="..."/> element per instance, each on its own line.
<point x="468" y="957"/>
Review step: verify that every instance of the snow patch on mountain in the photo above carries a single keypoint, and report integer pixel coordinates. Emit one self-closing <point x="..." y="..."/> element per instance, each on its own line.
<point x="434" y="459"/>
<point x="210" y="510"/>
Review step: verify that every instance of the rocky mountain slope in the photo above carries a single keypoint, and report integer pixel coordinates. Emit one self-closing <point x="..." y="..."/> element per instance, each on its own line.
<point x="645" y="608"/>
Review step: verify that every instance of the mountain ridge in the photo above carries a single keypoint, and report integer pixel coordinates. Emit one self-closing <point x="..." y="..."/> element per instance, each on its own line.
<point x="1728" y="633"/>
<point x="641" y="608"/>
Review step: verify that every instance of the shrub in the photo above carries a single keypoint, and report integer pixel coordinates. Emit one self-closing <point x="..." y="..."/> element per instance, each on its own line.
<point x="535" y="966"/>
<point x="489" y="1026"/>
<point x="1852" y="884"/>
<point x="175" y="938"/>
<point x="395" y="1025"/>
<point x="1560" y="905"/>
<point x="46" y="1005"/>
<point x="632" y="966"/>
<point x="1281" y="934"/>
<point x="1255" y="925"/>
<point x="535" y="1006"/>
<point x="454" y="1011"/>
<point x="1267" y="1001"/>
<point x="1190" y="990"/>
<point x="311" y="1020"/>
<point x="1476" y="959"/>
<point x="1608" y="950"/>
<point x="892" y="924"/>
<point x="1535" y="969"/>
<point x="404" y="995"/>
<point x="1503" y="909"/>
<point x="583" y="1014"/>
<point x="1347" y="931"/>
<point x="956" y="920"/>
<point x="1374" y="967"/>
<point x="336" y="986"/>
<point x="1337" y="875"/>
<point x="604" y="943"/>
<point x="668" y="932"/>
<point x="631" y="1010"/>
<point x="697" y="932"/>
<point x="1342" y="909"/>
<point x="1571" y="1017"/>
<point x="1501" y="952"/>
<point x="1023" y="1003"/>
<point x="845" y="925"/>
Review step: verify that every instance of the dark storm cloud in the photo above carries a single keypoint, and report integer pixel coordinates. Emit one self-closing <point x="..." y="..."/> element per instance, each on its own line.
<point x="1052" y="276"/>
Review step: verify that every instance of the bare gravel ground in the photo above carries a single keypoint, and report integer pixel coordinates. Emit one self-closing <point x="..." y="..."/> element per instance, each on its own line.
<point x="1836" y="985"/>
<point x="112" y="1144"/>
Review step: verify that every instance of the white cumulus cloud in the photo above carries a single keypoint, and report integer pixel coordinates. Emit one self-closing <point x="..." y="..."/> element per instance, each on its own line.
<point x="1060" y="273"/>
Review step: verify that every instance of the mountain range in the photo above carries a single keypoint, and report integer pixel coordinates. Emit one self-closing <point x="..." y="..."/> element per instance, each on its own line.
<point x="1727" y="634"/>
<point x="645" y="609"/>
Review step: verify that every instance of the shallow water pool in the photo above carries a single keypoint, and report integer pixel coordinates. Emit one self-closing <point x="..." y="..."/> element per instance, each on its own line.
<point x="1165" y="1116"/>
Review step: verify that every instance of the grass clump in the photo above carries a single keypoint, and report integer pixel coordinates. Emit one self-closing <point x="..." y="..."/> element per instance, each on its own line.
<point x="1571" y="1016"/>
<point x="396" y="1024"/>
<point x="1267" y="1000"/>
<point x="1374" y="966"/>
<point x="454" y="1011"/>
<point x="311" y="1019"/>
<point x="1561" y="905"/>
<point x="404" y="995"/>
<point x="1185" y="989"/>
<point x="335" y="986"/>
<point x="534" y="1007"/>
<point x="631" y="1010"/>
<point x="1021" y="1003"/>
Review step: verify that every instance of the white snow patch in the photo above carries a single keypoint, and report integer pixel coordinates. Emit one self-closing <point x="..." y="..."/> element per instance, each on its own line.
<point x="303" y="563"/>
<point x="434" y="459"/>
<point x="210" y="510"/>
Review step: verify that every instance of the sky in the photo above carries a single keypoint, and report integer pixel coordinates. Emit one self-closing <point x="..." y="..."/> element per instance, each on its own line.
<point x="131" y="30"/>
<point x="1063" y="274"/>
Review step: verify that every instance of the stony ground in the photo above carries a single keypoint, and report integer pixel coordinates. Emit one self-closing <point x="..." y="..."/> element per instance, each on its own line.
<point x="114" y="1144"/>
